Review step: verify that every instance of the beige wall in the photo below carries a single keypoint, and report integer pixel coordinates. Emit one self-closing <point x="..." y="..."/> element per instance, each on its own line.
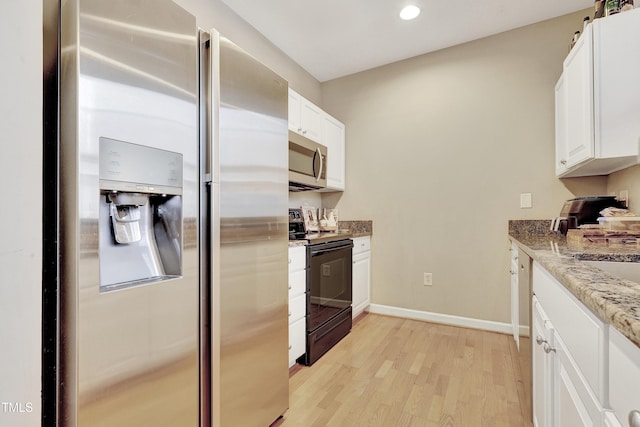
<point x="439" y="148"/>
<point x="627" y="179"/>
<point x="21" y="225"/>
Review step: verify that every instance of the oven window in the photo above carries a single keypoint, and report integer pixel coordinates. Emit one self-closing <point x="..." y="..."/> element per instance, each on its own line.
<point x="330" y="286"/>
<point x="333" y="283"/>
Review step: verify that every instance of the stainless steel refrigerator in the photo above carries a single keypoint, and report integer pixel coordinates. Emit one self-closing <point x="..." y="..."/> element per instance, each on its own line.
<point x="165" y="275"/>
<point x="254" y="224"/>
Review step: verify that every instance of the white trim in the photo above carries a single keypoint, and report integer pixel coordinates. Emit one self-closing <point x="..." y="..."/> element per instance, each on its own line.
<point x="447" y="319"/>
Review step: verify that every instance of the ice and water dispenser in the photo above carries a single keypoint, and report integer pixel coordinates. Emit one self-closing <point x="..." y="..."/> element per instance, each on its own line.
<point x="140" y="231"/>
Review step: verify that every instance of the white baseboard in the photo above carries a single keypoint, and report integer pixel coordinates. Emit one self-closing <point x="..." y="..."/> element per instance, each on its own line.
<point x="446" y="319"/>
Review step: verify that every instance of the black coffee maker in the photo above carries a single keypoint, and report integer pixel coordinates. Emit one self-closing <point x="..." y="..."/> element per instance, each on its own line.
<point x="583" y="210"/>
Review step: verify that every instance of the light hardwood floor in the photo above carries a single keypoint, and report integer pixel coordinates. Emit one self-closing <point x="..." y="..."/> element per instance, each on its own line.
<point x="397" y="372"/>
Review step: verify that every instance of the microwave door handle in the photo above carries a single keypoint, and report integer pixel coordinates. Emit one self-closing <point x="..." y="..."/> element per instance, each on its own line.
<point x="321" y="164"/>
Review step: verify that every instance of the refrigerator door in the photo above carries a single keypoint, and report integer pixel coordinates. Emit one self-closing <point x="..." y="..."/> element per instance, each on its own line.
<point x="254" y="376"/>
<point x="129" y="207"/>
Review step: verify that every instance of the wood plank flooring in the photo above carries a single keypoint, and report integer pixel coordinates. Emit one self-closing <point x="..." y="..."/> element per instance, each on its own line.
<point x="397" y="372"/>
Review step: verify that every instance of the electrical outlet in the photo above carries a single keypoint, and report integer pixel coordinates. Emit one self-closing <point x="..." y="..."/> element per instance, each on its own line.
<point x="428" y="279"/>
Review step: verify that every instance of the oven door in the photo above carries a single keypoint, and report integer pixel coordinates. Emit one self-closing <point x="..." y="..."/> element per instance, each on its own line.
<point x="329" y="281"/>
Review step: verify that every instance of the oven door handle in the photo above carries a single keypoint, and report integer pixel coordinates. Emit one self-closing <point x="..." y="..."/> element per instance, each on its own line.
<point x="328" y="250"/>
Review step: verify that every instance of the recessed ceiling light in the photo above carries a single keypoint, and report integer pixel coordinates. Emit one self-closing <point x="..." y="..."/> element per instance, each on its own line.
<point x="409" y="12"/>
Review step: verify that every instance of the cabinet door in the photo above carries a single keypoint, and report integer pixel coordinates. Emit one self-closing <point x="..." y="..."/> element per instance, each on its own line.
<point x="310" y="120"/>
<point x="542" y="365"/>
<point x="578" y="79"/>
<point x="361" y="272"/>
<point x="515" y="295"/>
<point x="295" y="100"/>
<point x="624" y="376"/>
<point x="582" y="332"/>
<point x="575" y="404"/>
<point x="616" y="42"/>
<point x="305" y="117"/>
<point x="297" y="308"/>
<point x="562" y="136"/>
<point x="333" y="138"/>
<point x="297" y="258"/>
<point x="297" y="340"/>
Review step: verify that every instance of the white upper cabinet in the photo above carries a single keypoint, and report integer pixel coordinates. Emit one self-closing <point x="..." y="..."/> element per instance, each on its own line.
<point x="574" y="107"/>
<point x="333" y="138"/>
<point x="597" y="99"/>
<point x="305" y="117"/>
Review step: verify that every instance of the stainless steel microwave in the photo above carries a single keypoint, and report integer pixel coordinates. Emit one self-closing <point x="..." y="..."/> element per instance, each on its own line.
<point x="307" y="164"/>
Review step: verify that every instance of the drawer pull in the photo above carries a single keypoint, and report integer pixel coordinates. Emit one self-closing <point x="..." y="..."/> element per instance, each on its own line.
<point x="548" y="349"/>
<point x="290" y="347"/>
<point x="634" y="418"/>
<point x="290" y="287"/>
<point x="540" y="340"/>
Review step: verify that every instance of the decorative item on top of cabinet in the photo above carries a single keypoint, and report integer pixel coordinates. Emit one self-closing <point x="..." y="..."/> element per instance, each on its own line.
<point x="305" y="117"/>
<point x="598" y="9"/>
<point x="596" y="133"/>
<point x="361" y="272"/>
<point x="611" y="7"/>
<point x="297" y="302"/>
<point x="626" y="5"/>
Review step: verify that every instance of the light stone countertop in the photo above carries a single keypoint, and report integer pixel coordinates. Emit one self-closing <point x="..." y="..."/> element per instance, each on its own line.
<point x="615" y="300"/>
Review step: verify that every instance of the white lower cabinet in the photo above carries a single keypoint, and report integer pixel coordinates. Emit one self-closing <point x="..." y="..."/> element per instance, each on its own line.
<point x="569" y="360"/>
<point x="575" y="403"/>
<point x="542" y="366"/>
<point x="297" y="340"/>
<point x="297" y="302"/>
<point x="515" y="294"/>
<point x="361" y="274"/>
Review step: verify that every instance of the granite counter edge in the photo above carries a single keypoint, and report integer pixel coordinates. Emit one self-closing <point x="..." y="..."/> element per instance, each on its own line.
<point x="614" y="300"/>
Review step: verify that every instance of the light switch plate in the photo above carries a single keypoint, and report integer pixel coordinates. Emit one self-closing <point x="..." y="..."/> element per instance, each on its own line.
<point x="525" y="200"/>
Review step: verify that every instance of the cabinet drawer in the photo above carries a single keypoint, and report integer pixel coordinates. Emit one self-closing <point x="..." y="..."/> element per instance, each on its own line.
<point x="297" y="340"/>
<point x="361" y="244"/>
<point x="297" y="258"/>
<point x="624" y="375"/>
<point x="297" y="308"/>
<point x="582" y="332"/>
<point x="297" y="283"/>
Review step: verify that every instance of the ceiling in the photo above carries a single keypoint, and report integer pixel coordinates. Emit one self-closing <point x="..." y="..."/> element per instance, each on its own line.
<point x="334" y="38"/>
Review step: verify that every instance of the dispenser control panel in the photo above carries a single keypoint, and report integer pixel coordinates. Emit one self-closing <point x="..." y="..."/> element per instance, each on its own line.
<point x="131" y="167"/>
